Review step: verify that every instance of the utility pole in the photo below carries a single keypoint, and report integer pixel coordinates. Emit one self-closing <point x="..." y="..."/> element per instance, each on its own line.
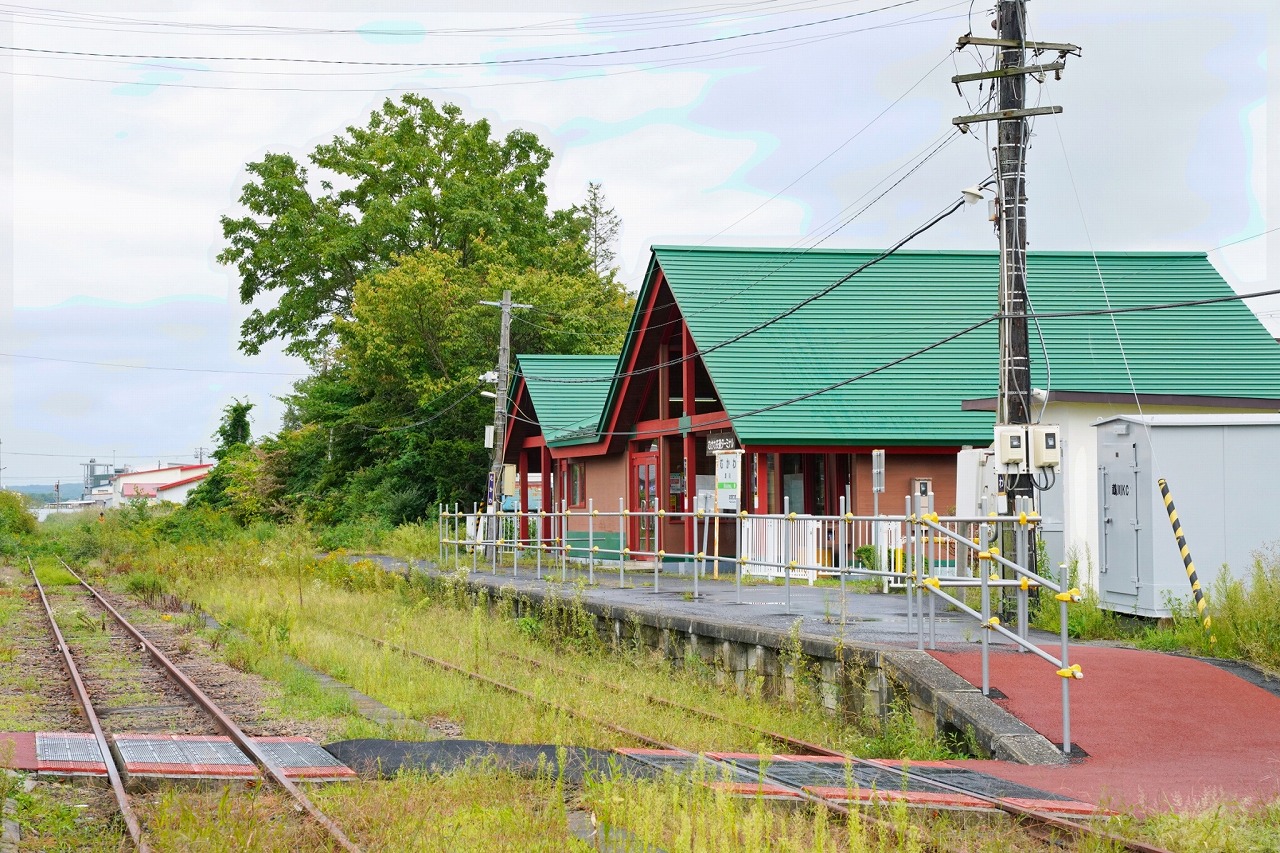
<point x="494" y="498"/>
<point x="1013" y="406"/>
<point x="200" y="454"/>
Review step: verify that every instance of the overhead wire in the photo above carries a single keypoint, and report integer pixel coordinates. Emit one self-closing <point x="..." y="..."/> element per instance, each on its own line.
<point x="485" y="63"/>
<point x="624" y="22"/>
<point x="782" y="315"/>
<point x="615" y="69"/>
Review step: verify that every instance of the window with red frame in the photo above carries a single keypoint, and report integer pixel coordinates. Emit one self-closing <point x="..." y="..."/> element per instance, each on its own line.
<point x="577" y="484"/>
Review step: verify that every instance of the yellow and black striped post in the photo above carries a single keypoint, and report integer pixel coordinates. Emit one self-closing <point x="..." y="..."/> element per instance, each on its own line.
<point x="1202" y="604"/>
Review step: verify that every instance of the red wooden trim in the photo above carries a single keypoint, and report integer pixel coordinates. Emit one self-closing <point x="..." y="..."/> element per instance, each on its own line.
<point x="642" y="328"/>
<point x="534" y="441"/>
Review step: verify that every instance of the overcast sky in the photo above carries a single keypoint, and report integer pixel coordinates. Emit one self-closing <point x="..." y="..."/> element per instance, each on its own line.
<point x="118" y="168"/>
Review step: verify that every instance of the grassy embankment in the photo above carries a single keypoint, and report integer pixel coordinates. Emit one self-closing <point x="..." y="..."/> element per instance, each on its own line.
<point x="267" y="584"/>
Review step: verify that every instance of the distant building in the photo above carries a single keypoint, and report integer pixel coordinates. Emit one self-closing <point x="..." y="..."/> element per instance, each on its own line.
<point x="172" y="483"/>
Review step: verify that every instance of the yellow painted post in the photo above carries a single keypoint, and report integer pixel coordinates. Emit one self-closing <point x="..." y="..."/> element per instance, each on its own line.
<point x="1202" y="604"/>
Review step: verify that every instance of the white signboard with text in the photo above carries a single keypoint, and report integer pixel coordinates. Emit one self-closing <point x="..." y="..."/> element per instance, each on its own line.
<point x="728" y="479"/>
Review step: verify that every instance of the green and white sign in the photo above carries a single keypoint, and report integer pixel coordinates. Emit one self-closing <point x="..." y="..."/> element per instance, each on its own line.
<point x="728" y="479"/>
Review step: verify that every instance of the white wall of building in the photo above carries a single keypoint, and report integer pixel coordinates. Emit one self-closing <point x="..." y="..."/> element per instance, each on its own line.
<point x="154" y="477"/>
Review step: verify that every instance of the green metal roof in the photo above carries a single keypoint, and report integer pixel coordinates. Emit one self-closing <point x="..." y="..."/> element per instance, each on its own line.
<point x="913" y="299"/>
<point x="567" y="411"/>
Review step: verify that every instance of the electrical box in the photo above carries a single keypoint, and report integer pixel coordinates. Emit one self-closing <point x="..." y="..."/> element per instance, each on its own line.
<point x="1220" y="484"/>
<point x="1046" y="450"/>
<point x="1011" y="445"/>
<point x="922" y="486"/>
<point x="508" y="479"/>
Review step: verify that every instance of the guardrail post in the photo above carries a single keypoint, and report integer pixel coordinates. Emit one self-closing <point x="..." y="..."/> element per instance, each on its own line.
<point x="984" y="574"/>
<point x="659" y="536"/>
<point x="742" y="555"/>
<point x="564" y="540"/>
<point x="1023" y="557"/>
<point x="537" y="536"/>
<point x="591" y="541"/>
<point x="842" y="561"/>
<point x="788" y="547"/>
<point x="622" y="542"/>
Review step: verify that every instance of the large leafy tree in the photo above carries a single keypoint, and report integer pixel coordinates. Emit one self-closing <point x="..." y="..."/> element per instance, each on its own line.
<point x="415" y="177"/>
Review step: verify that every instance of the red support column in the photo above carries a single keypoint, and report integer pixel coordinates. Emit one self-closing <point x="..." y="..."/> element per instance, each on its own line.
<point x="522" y="469"/>
<point x="546" y="490"/>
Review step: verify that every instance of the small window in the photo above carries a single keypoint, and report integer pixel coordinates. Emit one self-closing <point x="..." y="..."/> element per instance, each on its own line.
<point x="577" y="484"/>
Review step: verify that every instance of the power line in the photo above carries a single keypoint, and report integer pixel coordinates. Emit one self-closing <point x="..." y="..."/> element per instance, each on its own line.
<point x="625" y="22"/>
<point x="613" y="72"/>
<point x="787" y="312"/>
<point x="149" y="366"/>
<point x="486" y="63"/>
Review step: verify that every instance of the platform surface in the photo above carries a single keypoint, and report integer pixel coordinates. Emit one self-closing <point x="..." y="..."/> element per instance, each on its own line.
<point x="1159" y="730"/>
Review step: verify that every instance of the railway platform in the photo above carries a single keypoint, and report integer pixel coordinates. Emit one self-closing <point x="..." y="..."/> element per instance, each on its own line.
<point x="1150" y="730"/>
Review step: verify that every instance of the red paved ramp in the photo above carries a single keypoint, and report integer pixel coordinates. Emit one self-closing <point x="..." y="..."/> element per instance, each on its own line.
<point x="1160" y="731"/>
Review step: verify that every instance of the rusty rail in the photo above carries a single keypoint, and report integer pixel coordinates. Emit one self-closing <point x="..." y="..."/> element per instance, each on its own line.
<point x="225" y="723"/>
<point x="1022" y="812"/>
<point x="926" y="842"/>
<point x="86" y="707"/>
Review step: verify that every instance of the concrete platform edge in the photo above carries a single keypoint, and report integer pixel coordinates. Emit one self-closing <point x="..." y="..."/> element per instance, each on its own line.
<point x="954" y="703"/>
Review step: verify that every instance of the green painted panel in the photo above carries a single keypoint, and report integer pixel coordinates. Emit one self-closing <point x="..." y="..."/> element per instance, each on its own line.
<point x="873" y="352"/>
<point x="568" y="394"/>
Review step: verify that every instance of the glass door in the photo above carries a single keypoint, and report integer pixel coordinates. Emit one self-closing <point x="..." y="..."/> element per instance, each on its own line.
<point x="644" y="499"/>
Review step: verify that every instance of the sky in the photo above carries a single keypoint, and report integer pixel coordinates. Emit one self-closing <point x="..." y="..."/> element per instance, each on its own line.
<point x="794" y="123"/>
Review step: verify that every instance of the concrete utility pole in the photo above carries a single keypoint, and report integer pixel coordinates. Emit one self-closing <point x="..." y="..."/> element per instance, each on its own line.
<point x="500" y="399"/>
<point x="1013" y="406"/>
<point x="1010" y="74"/>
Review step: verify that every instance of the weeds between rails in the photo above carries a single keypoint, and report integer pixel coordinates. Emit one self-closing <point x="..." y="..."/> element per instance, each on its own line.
<point x="1043" y="826"/>
<point x="1018" y="812"/>
<point x="913" y="835"/>
<point x="220" y="720"/>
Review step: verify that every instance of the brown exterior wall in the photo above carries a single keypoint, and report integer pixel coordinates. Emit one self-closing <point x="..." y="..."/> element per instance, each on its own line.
<point x="900" y="470"/>
<point x="606" y="481"/>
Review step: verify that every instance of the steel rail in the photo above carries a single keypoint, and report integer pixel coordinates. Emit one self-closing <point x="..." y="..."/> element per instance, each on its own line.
<point x="927" y="843"/>
<point x="777" y="737"/>
<point x="1020" y="812"/>
<point x="816" y="749"/>
<point x="223" y="722"/>
<point x="86" y="707"/>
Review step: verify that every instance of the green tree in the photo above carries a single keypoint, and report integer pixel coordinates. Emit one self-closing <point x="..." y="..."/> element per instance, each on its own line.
<point x="416" y="177"/>
<point x="234" y="429"/>
<point x="602" y="228"/>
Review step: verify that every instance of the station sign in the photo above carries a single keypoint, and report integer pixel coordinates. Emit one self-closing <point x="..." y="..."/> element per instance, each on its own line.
<point x="728" y="480"/>
<point x="720" y="441"/>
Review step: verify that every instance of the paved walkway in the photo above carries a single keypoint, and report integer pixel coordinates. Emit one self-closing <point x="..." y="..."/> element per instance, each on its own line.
<point x="1159" y="730"/>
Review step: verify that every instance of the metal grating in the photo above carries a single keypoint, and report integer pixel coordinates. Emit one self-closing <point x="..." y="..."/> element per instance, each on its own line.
<point x="297" y="753"/>
<point x="989" y="786"/>
<point x="180" y="751"/>
<point x="77" y="748"/>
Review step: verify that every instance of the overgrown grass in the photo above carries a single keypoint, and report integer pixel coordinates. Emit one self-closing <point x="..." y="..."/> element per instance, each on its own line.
<point x="1244" y="612"/>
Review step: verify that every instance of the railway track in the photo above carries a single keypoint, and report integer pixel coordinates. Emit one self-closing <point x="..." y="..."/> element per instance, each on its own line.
<point x="1050" y="829"/>
<point x="195" y="713"/>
